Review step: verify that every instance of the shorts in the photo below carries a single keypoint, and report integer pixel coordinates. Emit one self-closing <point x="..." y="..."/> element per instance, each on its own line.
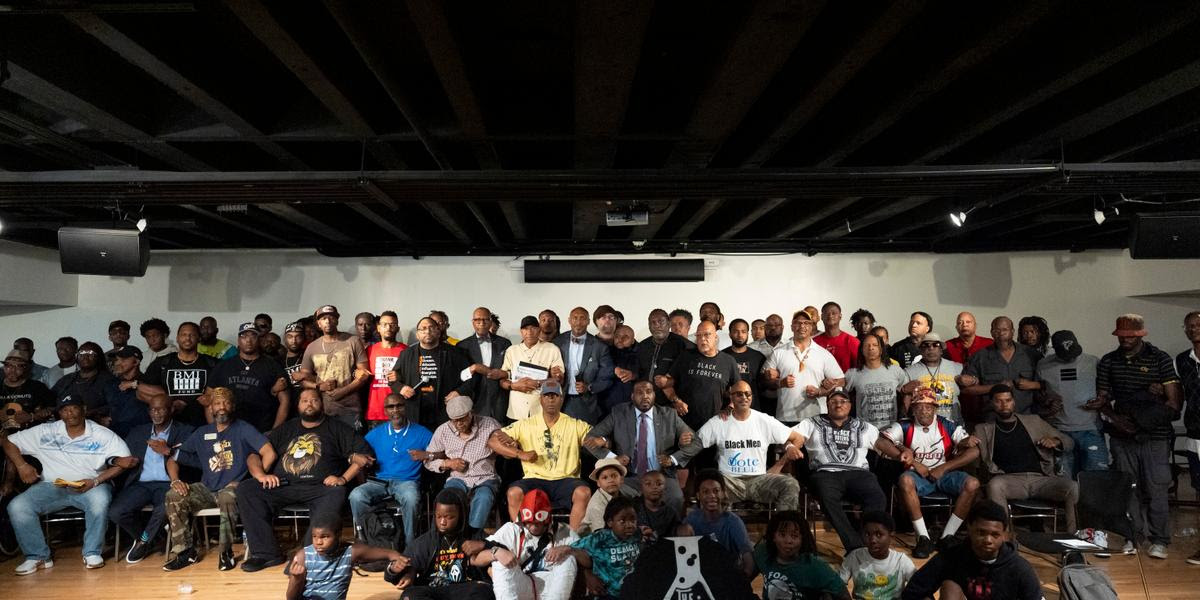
<point x="559" y="490"/>
<point x="951" y="483"/>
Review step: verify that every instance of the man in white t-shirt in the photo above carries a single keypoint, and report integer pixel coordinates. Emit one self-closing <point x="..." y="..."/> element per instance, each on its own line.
<point x="741" y="439"/>
<point x="926" y="445"/>
<point x="803" y="372"/>
<point x="78" y="458"/>
<point x="837" y="446"/>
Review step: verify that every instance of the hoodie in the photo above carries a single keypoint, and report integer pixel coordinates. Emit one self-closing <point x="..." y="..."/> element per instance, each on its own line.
<point x="437" y="557"/>
<point x="1009" y="577"/>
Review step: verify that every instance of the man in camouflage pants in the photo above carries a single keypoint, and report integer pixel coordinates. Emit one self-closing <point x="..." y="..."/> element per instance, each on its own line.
<point x="219" y="450"/>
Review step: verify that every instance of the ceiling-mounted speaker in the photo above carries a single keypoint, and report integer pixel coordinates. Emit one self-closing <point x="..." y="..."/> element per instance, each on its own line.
<point x="89" y="251"/>
<point x="1165" y="235"/>
<point x="575" y="271"/>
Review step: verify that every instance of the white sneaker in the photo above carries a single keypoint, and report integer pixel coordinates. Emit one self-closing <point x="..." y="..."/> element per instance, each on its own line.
<point x="1129" y="548"/>
<point x="1158" y="551"/>
<point x="93" y="561"/>
<point x="30" y="566"/>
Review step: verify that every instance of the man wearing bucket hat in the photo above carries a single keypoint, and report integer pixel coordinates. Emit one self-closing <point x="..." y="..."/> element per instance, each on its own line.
<point x="1138" y="394"/>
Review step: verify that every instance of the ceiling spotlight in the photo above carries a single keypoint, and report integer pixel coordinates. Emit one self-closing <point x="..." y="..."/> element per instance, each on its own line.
<point x="958" y="218"/>
<point x="141" y="224"/>
<point x="1098" y="215"/>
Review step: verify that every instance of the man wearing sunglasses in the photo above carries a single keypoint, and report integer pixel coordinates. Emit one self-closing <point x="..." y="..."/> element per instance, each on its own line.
<point x="395" y="443"/>
<point x="89" y="382"/>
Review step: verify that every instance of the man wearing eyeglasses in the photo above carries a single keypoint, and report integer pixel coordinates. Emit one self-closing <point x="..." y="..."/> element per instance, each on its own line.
<point x="803" y="372"/>
<point x="399" y="474"/>
<point x="88" y="383"/>
<point x="427" y="373"/>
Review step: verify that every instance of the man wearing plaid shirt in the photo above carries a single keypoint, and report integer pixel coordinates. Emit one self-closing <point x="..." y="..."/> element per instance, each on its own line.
<point x="460" y="447"/>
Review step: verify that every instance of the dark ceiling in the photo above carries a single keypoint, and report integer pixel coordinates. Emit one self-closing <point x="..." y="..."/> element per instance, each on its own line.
<point x="427" y="127"/>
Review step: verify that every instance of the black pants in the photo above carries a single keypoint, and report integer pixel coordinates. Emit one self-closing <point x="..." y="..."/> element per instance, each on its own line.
<point x="126" y="509"/>
<point x="471" y="590"/>
<point x="257" y="508"/>
<point x="859" y="487"/>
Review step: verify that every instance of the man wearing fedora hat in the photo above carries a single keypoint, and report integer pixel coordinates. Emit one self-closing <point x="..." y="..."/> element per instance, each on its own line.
<point x="1138" y="394"/>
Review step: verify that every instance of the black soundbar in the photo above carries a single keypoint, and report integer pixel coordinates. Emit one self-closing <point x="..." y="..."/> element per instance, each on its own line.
<point x="574" y="271"/>
<point x="1165" y="235"/>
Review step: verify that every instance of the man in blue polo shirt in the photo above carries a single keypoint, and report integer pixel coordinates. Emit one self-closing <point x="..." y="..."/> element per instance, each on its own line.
<point x="398" y="476"/>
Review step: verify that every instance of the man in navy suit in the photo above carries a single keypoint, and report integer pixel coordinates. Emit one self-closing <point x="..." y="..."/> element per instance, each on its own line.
<point x="589" y="368"/>
<point x="487" y="356"/>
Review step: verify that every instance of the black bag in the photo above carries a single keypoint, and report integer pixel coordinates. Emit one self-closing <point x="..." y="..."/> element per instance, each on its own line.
<point x="379" y="528"/>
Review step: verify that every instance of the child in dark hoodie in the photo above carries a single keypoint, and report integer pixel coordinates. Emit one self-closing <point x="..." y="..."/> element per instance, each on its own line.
<point x="439" y="562"/>
<point x="991" y="570"/>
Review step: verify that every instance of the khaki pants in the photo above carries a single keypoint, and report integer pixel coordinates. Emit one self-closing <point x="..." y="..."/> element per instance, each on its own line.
<point x="1022" y="486"/>
<point x="782" y="490"/>
<point x="180" y="510"/>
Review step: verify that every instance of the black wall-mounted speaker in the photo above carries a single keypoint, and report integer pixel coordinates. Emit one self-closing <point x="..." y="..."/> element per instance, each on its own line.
<point x="1165" y="235"/>
<point x="88" y="251"/>
<point x="574" y="271"/>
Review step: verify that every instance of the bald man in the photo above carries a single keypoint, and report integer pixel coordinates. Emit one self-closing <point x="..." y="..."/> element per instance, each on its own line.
<point x="967" y="344"/>
<point x="486" y="352"/>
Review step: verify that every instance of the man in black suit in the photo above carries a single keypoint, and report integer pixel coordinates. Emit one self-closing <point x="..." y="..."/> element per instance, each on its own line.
<point x="428" y="374"/>
<point x="589" y="368"/>
<point x="149" y="446"/>
<point x="486" y="352"/>
<point x="642" y="436"/>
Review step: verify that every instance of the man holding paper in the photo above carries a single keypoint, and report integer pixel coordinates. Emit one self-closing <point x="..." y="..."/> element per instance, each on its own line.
<point x="526" y="366"/>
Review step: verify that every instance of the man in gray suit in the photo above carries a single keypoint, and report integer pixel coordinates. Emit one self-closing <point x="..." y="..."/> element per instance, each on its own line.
<point x="642" y="436"/>
<point x="589" y="368"/>
<point x="486" y="352"/>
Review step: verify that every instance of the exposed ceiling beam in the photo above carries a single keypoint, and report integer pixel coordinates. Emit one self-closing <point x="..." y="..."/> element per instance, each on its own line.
<point x="30" y="86"/>
<point x="1143" y="39"/>
<point x="1009" y="215"/>
<point x="586" y="220"/>
<point x="762" y="45"/>
<point x="305" y="222"/>
<point x="922" y="218"/>
<point x="608" y="47"/>
<point x="377" y="194"/>
<point x="487" y="226"/>
<point x="157" y="224"/>
<point x="657" y="220"/>
<point x="439" y="213"/>
<point x="140" y="57"/>
<point x="222" y="219"/>
<point x="66" y="147"/>
<point x="379" y="221"/>
<point x="939" y="79"/>
<point x="51" y="154"/>
<point x="513" y="217"/>
<point x="764" y="207"/>
<point x="258" y="19"/>
<point x="698" y="217"/>
<point x="815" y="213"/>
<point x="889" y="209"/>
<point x="1149" y="141"/>
<point x="871" y="42"/>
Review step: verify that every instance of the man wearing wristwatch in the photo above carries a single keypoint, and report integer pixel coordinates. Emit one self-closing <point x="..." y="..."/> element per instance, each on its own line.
<point x="74" y="453"/>
<point x="460" y="447"/>
<point x="399" y="473"/>
<point x="125" y="410"/>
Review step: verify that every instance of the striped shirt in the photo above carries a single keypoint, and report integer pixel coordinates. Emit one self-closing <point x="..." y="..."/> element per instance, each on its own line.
<point x="481" y="461"/>
<point x="328" y="577"/>
<point x="1123" y="377"/>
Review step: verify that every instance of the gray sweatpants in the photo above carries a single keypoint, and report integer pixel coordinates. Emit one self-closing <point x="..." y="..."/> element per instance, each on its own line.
<point x="1149" y="464"/>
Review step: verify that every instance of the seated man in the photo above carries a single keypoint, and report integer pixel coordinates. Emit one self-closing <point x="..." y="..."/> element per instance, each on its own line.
<point x="991" y="569"/>
<point x="548" y="446"/>
<point x="315" y="455"/>
<point x="74" y="453"/>
<point x="149" y="445"/>
<point x="399" y="476"/>
<point x="460" y="447"/>
<point x="741" y="439"/>
<point x="219" y="450"/>
<point x="837" y="447"/>
<point x="926" y="445"/>
<point x="1018" y="451"/>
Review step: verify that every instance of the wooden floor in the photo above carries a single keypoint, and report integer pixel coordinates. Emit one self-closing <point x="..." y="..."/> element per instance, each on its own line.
<point x="1136" y="577"/>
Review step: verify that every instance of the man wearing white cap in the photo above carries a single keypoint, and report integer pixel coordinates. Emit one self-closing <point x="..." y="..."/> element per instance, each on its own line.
<point x="335" y="365"/>
<point x="460" y="447"/>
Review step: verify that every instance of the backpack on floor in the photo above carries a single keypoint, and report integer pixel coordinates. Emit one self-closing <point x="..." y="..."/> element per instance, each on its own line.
<point x="378" y="527"/>
<point x="1085" y="582"/>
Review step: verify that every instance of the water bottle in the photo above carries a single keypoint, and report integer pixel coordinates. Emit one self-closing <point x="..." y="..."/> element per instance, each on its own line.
<point x="185" y="588"/>
<point x="1186" y="532"/>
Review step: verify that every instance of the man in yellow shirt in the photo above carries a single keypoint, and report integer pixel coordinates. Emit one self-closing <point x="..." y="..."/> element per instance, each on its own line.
<point x="547" y="445"/>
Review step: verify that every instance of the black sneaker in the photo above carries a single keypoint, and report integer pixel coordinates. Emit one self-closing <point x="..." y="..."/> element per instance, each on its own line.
<point x="947" y="542"/>
<point x="139" y="551"/>
<point x="225" y="561"/>
<point x="255" y="563"/>
<point x="924" y="547"/>
<point x="181" y="560"/>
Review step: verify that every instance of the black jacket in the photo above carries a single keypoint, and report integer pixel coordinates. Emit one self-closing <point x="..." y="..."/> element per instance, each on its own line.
<point x="454" y="566"/>
<point x="1010" y="577"/>
<point x="1189" y="377"/>
<point x="489" y="399"/>
<point x="451" y="361"/>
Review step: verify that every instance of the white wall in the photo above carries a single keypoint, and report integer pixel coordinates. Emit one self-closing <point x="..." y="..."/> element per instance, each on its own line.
<point x="1083" y="292"/>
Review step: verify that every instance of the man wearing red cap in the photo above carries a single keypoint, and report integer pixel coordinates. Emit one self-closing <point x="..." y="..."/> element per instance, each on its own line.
<point x="1138" y="394"/>
<point x="530" y="558"/>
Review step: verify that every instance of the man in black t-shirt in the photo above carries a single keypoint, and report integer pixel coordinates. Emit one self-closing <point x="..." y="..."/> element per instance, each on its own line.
<point x="181" y="376"/>
<point x="749" y="360"/>
<point x="699" y="379"/>
<point x="293" y="345"/>
<point x="88" y="382"/>
<point x="258" y="382"/>
<point x="657" y="353"/>
<point x="314" y="463"/>
<point x="23" y="399"/>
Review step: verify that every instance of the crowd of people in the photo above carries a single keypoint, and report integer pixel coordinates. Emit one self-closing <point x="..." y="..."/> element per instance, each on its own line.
<point x="580" y="447"/>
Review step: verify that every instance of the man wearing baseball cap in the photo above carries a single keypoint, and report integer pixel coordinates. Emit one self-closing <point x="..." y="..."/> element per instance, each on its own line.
<point x="1070" y="377"/>
<point x="125" y="411"/>
<point x="1138" y="393"/>
<point x="258" y="382"/>
<point x="460" y="447"/>
<point x="74" y="453"/>
<point x="19" y="387"/>
<point x="336" y="366"/>
<point x="526" y="365"/>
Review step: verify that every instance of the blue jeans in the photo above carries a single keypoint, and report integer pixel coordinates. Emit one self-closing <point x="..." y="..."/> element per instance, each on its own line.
<point x="1090" y="451"/>
<point x="43" y="498"/>
<point x="406" y="493"/>
<point x="481" y="502"/>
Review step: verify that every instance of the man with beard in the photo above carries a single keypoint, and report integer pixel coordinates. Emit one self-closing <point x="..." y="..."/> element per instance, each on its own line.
<point x="36" y="371"/>
<point x="709" y="311"/>
<point x="65" y="348"/>
<point x="315" y="455"/>
<point x="606" y="322"/>
<point x="263" y="323"/>
<point x="220" y="450"/>
<point x="210" y="344"/>
<point x="429" y="371"/>
<point x="294" y="342"/>
<point x="180" y="376"/>
<point x="335" y="365"/>
<point x="862" y="321"/>
<point x="944" y="377"/>
<point x="1004" y="362"/>
<point x="699" y="380"/>
<point x="589" y="368"/>
<point x="657" y="353"/>
<point x="1187" y="364"/>
<point x="908" y="350"/>
<point x="364" y="328"/>
<point x="803" y="372"/>
<point x="460" y="447"/>
<point x="88" y="383"/>
<point x="526" y="366"/>
<point x="625" y="369"/>
<point x="381" y="359"/>
<point x="549" y="326"/>
<point x="150" y="445"/>
<point x="270" y="345"/>
<point x="23" y="399"/>
<point x="125" y="410"/>
<point x="258" y="382"/>
<point x="749" y="360"/>
<point x="486" y="353"/>
<point x="72" y="450"/>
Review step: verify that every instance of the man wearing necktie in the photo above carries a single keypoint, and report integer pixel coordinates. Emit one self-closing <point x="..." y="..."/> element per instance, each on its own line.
<point x="645" y="437"/>
<point x="589" y="368"/>
<point x="486" y="351"/>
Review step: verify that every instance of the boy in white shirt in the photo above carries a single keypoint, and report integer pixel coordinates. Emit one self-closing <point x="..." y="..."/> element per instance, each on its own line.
<point x="530" y="559"/>
<point x="878" y="571"/>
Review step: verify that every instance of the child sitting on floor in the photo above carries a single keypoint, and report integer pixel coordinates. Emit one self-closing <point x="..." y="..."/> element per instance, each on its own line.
<point x="605" y="557"/>
<point x="787" y="558"/>
<point x="878" y="571"/>
<point x="439" y="562"/>
<point x="322" y="570"/>
<point x="656" y="518"/>
<point x="531" y="559"/>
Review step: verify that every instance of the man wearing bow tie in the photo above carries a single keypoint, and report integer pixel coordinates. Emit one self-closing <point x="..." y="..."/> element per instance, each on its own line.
<point x="589" y="368"/>
<point x="487" y="355"/>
